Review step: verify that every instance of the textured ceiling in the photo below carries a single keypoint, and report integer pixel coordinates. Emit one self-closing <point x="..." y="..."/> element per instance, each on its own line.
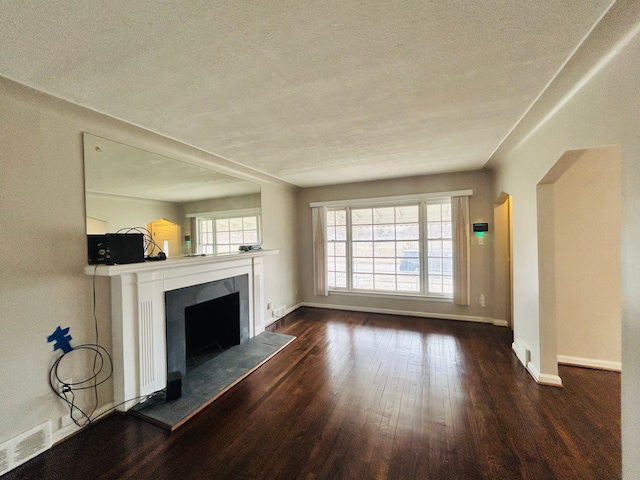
<point x="310" y="92"/>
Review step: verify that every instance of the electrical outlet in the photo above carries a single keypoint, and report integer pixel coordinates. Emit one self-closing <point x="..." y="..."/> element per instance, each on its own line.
<point x="269" y="305"/>
<point x="65" y="421"/>
<point x="482" y="300"/>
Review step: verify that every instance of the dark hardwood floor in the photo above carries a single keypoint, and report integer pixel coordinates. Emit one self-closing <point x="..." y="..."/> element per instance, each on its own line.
<point x="360" y="396"/>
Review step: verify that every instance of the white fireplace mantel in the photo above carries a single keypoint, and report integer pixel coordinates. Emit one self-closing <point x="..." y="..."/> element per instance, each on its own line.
<point x="138" y="320"/>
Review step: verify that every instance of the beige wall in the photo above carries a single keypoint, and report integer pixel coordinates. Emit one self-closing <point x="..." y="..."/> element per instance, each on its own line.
<point x="588" y="224"/>
<point x="593" y="102"/>
<point x="123" y="212"/>
<point x="223" y="204"/>
<point x="42" y="234"/>
<point x="480" y="208"/>
<point x="279" y="232"/>
<point x="502" y="259"/>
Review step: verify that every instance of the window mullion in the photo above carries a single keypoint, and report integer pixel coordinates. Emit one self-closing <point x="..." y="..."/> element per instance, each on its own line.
<point x="349" y="251"/>
<point x="201" y="233"/>
<point x="424" y="250"/>
<point x="214" y="237"/>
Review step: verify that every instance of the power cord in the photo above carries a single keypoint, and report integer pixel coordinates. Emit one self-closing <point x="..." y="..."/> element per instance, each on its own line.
<point x="67" y="391"/>
<point x="150" y="246"/>
<point x="102" y="371"/>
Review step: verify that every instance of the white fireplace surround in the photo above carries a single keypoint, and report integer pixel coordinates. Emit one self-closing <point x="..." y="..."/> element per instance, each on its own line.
<point x="138" y="320"/>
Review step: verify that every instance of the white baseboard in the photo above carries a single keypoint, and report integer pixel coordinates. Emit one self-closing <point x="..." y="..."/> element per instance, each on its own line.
<point x="543" y="378"/>
<point x="72" y="429"/>
<point x="522" y="352"/>
<point x="440" y="316"/>
<point x="295" y="307"/>
<point x="533" y="371"/>
<point x="287" y="311"/>
<point x="524" y="356"/>
<point x="500" y="323"/>
<point x="551" y="380"/>
<point x="590" y="363"/>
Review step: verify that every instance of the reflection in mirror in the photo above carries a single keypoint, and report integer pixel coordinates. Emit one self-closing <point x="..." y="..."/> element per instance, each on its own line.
<point x="187" y="208"/>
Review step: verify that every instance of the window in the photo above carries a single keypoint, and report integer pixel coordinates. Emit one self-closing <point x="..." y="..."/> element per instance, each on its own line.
<point x="233" y="232"/>
<point x="205" y="236"/>
<point x="220" y="233"/>
<point x="337" y="248"/>
<point x="403" y="248"/>
<point x="439" y="248"/>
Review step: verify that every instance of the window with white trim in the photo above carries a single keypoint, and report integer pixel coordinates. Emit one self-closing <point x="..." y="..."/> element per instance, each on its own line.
<point x="397" y="248"/>
<point x="224" y="233"/>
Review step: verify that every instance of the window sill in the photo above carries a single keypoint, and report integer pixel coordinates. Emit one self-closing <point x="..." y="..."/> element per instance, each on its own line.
<point x="392" y="296"/>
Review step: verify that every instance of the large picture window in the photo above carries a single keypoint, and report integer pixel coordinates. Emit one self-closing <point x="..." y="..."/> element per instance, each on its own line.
<point x="402" y="247"/>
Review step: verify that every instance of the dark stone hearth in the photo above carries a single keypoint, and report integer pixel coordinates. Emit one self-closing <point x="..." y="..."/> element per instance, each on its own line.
<point x="206" y="382"/>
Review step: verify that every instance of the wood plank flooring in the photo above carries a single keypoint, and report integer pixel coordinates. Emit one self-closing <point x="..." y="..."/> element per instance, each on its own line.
<point x="367" y="396"/>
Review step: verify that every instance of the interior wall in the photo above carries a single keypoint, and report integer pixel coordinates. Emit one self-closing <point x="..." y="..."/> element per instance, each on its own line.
<point x="593" y="102"/>
<point x="42" y="232"/>
<point x="547" y="371"/>
<point x="481" y="256"/>
<point x="502" y="260"/>
<point x="279" y="232"/>
<point x="124" y="212"/>
<point x="588" y="224"/>
<point x="223" y="204"/>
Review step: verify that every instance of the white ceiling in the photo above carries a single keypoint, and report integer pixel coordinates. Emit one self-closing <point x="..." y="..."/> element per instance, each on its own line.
<point x="310" y="92"/>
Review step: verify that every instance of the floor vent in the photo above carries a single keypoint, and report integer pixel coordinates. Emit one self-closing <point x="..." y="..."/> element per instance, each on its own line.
<point x="24" y="447"/>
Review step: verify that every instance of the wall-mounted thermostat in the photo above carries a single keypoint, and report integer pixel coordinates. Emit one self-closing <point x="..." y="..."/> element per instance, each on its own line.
<point x="480" y="227"/>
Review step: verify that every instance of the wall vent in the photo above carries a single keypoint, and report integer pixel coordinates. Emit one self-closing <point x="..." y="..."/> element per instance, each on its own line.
<point x="24" y="447"/>
<point x="4" y="460"/>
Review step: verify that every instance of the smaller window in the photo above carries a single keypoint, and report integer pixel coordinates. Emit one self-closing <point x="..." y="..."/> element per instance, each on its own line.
<point x="233" y="232"/>
<point x="205" y="236"/>
<point x="224" y="233"/>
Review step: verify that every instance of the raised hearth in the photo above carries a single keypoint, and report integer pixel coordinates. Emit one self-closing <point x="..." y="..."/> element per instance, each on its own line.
<point x="138" y="312"/>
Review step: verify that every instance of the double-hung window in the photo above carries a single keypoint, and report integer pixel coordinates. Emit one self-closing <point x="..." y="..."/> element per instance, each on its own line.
<point x="399" y="246"/>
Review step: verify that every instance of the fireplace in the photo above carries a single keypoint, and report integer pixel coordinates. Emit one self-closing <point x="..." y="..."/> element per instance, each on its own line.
<point x="204" y="320"/>
<point x="210" y="328"/>
<point x="138" y="312"/>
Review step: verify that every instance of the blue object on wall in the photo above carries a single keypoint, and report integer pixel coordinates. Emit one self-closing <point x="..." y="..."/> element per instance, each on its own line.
<point x="62" y="339"/>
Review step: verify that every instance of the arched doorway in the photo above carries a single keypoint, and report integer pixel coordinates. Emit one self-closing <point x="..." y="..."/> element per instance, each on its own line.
<point x="579" y="229"/>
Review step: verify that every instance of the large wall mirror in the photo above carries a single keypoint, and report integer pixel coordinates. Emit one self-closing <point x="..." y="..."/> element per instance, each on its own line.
<point x="187" y="208"/>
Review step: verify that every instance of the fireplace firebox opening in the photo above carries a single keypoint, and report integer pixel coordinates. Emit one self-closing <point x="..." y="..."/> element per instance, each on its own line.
<point x="211" y="327"/>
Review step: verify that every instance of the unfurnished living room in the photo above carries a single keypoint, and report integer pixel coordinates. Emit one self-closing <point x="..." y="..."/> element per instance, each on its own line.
<point x="320" y="240"/>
